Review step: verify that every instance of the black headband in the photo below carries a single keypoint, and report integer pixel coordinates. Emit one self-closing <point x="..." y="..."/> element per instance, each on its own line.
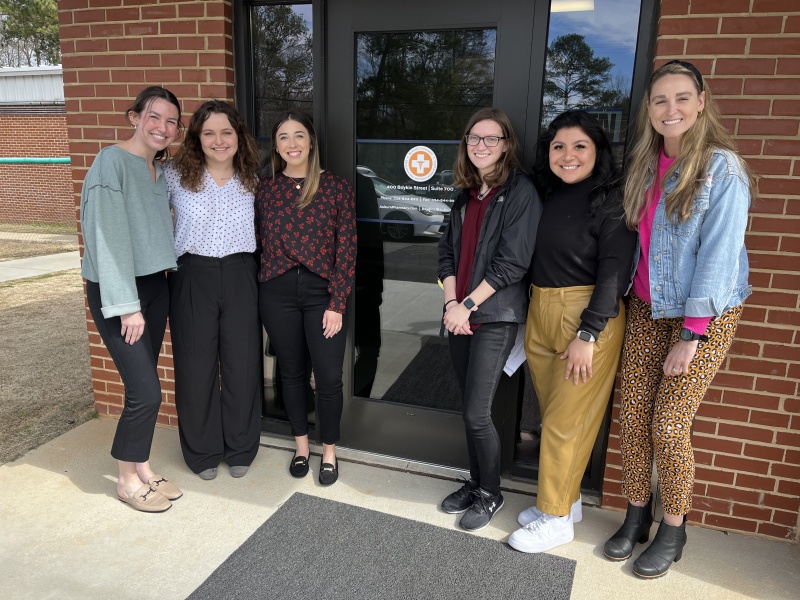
<point x="688" y="66"/>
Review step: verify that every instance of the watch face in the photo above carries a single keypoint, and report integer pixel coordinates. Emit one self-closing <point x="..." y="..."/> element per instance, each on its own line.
<point x="469" y="303"/>
<point x="686" y="335"/>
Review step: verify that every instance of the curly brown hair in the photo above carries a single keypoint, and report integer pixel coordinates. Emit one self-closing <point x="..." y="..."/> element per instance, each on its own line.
<point x="190" y="160"/>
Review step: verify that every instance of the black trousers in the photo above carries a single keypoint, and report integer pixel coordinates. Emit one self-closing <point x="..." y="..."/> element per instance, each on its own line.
<point x="137" y="365"/>
<point x="292" y="306"/>
<point x="216" y="346"/>
<point x="478" y="361"/>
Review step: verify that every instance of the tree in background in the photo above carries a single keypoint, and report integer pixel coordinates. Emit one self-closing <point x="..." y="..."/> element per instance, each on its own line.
<point x="412" y="84"/>
<point x="282" y="63"/>
<point x="29" y="33"/>
<point x="575" y="77"/>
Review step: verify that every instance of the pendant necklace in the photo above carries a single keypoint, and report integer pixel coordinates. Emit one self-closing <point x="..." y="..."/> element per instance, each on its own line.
<point x="297" y="184"/>
<point x="220" y="178"/>
<point x="482" y="195"/>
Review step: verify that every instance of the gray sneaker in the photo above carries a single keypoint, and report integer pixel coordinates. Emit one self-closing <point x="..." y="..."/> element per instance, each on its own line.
<point x="239" y="470"/>
<point x="484" y="507"/>
<point x="208" y="474"/>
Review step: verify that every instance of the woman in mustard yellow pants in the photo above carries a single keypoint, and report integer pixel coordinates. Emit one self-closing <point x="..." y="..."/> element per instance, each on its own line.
<point x="576" y="320"/>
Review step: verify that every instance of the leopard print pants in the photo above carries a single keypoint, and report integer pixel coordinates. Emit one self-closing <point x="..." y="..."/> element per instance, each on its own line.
<point x="657" y="412"/>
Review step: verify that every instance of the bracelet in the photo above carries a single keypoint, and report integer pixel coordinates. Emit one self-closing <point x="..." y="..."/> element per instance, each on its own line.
<point x="449" y="301"/>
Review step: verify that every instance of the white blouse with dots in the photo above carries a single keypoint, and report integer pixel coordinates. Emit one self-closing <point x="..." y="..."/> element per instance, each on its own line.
<point x="216" y="221"/>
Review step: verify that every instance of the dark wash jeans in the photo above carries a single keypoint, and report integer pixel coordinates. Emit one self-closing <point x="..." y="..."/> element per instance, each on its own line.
<point x="478" y="361"/>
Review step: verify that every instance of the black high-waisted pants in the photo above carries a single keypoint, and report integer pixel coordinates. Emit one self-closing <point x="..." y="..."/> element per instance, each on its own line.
<point x="292" y="306"/>
<point x="216" y="346"/>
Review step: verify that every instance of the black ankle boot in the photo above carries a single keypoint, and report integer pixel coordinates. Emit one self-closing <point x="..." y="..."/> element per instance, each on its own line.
<point x="667" y="547"/>
<point x="635" y="528"/>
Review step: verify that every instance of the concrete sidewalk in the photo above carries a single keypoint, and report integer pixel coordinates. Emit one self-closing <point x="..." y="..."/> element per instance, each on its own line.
<point x="64" y="534"/>
<point x="39" y="265"/>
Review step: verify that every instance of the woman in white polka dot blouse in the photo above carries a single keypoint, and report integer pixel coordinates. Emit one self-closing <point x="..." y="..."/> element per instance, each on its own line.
<point x="214" y="323"/>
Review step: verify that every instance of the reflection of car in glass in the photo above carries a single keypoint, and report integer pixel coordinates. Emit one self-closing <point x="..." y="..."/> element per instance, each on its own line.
<point x="366" y="171"/>
<point x="426" y="216"/>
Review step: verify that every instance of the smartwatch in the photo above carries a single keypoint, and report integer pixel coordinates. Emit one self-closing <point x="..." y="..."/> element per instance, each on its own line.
<point x="687" y="335"/>
<point x="470" y="303"/>
<point x="586" y="336"/>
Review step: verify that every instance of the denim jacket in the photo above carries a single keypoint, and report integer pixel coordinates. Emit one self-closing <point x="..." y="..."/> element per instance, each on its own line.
<point x="699" y="268"/>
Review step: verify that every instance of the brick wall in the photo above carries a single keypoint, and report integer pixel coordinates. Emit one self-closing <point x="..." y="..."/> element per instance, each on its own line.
<point x="748" y="429"/>
<point x="46" y="196"/>
<point x="111" y="49"/>
<point x="747" y="432"/>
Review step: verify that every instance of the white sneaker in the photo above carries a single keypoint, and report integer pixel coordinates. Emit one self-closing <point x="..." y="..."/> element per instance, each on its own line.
<point x="545" y="533"/>
<point x="529" y="515"/>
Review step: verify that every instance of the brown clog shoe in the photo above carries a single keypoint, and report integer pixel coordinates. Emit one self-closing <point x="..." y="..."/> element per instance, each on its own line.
<point x="170" y="491"/>
<point x="146" y="499"/>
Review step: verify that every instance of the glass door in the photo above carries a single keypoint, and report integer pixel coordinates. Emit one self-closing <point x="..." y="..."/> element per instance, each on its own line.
<point x="403" y="79"/>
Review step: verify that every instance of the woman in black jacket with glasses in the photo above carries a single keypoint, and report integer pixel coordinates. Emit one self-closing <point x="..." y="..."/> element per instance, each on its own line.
<point x="484" y="257"/>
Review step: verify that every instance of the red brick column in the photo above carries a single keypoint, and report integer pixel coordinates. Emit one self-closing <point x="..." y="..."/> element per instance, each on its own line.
<point x="747" y="432"/>
<point x="112" y="49"/>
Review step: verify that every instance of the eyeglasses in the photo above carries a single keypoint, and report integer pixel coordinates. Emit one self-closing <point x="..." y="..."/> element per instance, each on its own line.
<point x="490" y="141"/>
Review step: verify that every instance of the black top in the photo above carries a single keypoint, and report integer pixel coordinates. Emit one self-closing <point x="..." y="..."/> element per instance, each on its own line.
<point x="505" y="246"/>
<point x="577" y="246"/>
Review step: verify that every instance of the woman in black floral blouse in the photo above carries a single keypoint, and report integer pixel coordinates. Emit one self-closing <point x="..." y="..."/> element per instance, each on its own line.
<point x="306" y="225"/>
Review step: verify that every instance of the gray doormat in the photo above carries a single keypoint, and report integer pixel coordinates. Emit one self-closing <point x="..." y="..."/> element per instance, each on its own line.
<point x="428" y="380"/>
<point x="313" y="548"/>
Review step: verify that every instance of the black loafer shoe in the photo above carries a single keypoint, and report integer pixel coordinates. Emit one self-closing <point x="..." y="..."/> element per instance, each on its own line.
<point x="299" y="466"/>
<point x="328" y="473"/>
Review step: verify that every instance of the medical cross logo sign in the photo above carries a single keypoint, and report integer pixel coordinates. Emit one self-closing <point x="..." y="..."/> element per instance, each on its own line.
<point x="420" y="163"/>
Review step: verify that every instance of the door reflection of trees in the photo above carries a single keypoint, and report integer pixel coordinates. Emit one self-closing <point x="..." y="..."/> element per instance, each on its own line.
<point x="422" y="84"/>
<point x="282" y="63"/>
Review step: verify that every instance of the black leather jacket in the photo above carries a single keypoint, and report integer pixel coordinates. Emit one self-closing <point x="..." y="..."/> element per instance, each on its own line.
<point x="505" y="247"/>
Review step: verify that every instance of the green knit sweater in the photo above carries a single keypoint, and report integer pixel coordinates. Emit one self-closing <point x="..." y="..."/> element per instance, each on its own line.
<point x="126" y="226"/>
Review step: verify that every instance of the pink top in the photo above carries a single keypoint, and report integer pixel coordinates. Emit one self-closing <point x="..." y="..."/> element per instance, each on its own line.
<point x="641" y="279"/>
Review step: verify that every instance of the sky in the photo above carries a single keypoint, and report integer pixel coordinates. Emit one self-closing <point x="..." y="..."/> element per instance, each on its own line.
<point x="610" y="29"/>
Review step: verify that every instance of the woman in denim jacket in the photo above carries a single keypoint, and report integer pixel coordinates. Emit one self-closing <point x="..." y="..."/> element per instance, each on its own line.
<point x="687" y="193"/>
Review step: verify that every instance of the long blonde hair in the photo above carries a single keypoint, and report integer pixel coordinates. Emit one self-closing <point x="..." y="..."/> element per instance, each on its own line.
<point x="311" y="183"/>
<point x="697" y="145"/>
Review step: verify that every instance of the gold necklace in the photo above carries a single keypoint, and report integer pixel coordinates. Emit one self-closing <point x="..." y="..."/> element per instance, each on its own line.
<point x="297" y="184"/>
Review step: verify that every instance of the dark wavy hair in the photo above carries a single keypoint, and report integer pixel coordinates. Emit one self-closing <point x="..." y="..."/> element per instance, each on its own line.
<point x="605" y="195"/>
<point x="190" y="160"/>
<point x="465" y="174"/>
<point x="143" y="101"/>
<point x="311" y="183"/>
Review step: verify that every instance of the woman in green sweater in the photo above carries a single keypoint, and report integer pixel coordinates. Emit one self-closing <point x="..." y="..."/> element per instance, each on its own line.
<point x="128" y="244"/>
